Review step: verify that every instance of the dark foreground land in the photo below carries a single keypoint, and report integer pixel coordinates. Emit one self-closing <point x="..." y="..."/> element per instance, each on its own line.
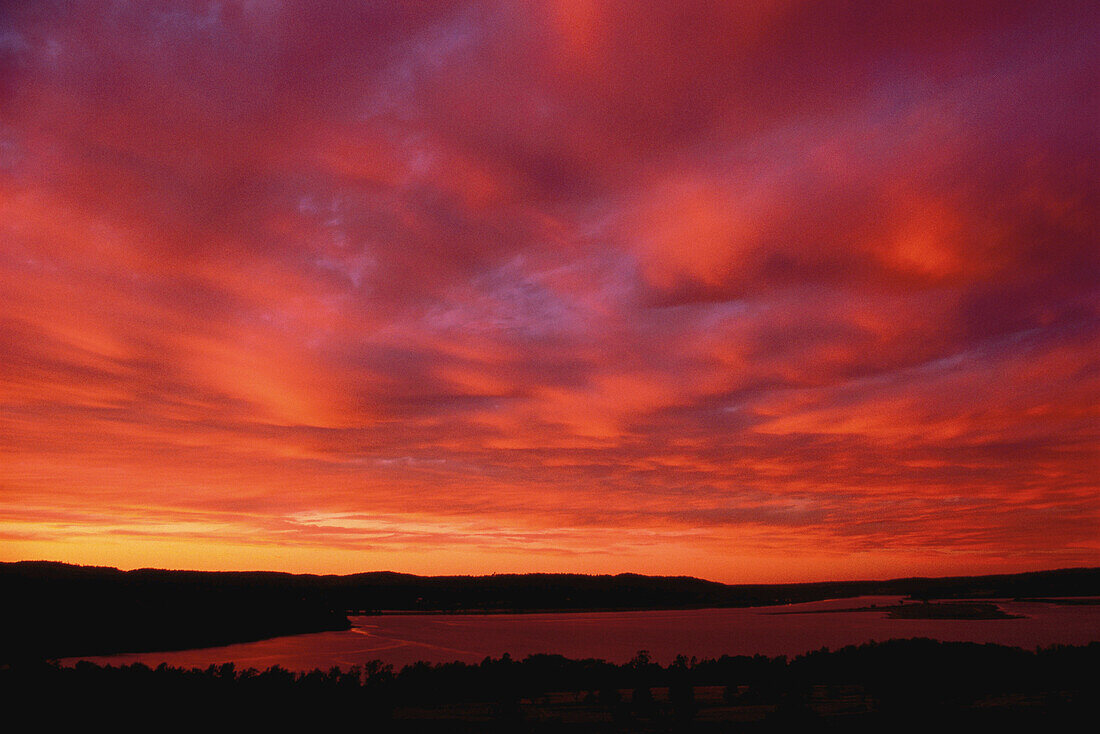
<point x="900" y="684"/>
<point x="53" y="610"/>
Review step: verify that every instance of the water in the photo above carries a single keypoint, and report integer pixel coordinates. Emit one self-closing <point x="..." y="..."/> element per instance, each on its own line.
<point x="617" y="636"/>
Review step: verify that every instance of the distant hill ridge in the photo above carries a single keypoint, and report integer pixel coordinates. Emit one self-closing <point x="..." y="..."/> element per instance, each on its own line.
<point x="391" y="590"/>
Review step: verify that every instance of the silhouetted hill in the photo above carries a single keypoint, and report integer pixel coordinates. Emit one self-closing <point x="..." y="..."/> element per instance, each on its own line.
<point x="60" y="610"/>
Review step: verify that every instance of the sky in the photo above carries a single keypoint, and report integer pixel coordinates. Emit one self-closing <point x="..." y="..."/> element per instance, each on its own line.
<point x="756" y="291"/>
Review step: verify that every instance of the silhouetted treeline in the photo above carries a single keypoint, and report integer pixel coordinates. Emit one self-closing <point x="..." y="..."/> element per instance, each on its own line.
<point x="900" y="682"/>
<point x="59" y="610"/>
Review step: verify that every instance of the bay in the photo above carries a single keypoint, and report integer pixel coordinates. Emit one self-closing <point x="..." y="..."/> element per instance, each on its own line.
<point x="401" y="639"/>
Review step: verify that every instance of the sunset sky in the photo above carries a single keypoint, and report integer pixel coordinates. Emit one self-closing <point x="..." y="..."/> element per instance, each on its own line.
<point x="754" y="291"/>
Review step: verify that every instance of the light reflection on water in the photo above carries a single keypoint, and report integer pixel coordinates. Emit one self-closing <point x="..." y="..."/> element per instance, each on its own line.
<point x="616" y="636"/>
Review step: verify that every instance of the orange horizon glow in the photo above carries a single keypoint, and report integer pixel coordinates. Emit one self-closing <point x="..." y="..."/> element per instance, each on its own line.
<point x="756" y="292"/>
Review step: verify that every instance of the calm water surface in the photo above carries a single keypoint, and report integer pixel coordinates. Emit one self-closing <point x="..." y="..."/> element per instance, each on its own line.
<point x="616" y="636"/>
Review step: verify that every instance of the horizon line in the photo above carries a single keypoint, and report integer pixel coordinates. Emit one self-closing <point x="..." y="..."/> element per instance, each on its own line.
<point x="555" y="573"/>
